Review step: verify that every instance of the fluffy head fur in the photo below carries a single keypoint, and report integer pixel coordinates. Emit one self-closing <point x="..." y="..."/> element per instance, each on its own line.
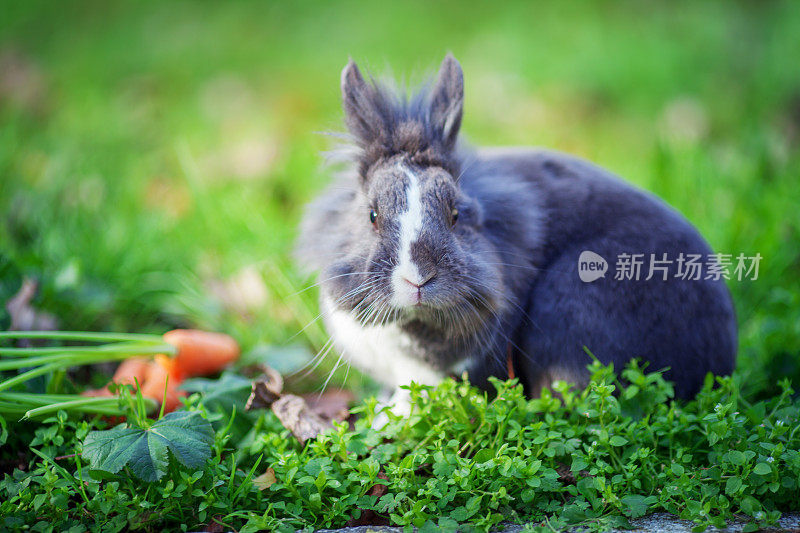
<point x="423" y="125"/>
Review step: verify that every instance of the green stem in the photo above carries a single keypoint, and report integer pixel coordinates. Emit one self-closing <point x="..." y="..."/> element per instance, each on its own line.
<point x="10" y="408"/>
<point x="120" y="347"/>
<point x="30" y="374"/>
<point x="73" y="405"/>
<point x="102" y="406"/>
<point x="108" y="406"/>
<point x="33" y="398"/>
<point x="81" y="336"/>
<point x="61" y="360"/>
<point x="89" y="356"/>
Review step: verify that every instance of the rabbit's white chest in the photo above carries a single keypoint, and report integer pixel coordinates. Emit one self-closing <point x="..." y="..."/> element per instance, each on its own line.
<point x="383" y="352"/>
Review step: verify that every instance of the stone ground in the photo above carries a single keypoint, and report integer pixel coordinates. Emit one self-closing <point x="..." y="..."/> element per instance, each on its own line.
<point x="654" y="523"/>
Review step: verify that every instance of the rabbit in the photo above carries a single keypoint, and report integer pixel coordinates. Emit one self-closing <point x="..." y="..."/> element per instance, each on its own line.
<point x="435" y="258"/>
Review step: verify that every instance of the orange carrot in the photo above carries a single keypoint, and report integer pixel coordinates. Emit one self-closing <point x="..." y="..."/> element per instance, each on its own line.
<point x="154" y="386"/>
<point x="132" y="370"/>
<point x="97" y="393"/>
<point x="200" y="353"/>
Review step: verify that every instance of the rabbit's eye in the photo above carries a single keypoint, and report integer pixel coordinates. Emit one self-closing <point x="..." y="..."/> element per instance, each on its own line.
<point x="373" y="216"/>
<point x="454" y="215"/>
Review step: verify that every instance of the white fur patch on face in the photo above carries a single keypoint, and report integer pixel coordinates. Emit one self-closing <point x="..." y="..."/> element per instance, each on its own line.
<point x="406" y="274"/>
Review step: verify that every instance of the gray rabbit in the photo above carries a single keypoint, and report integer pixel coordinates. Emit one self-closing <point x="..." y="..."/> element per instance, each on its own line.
<point x="435" y="258"/>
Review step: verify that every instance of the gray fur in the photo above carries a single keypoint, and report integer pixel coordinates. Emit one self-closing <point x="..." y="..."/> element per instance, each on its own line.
<point x="505" y="275"/>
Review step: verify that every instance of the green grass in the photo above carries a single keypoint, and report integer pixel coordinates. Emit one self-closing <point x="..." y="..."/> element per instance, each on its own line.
<point x="150" y="151"/>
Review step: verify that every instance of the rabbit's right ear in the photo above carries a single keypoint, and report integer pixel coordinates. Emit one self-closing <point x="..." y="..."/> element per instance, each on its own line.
<point x="447" y="100"/>
<point x="361" y="115"/>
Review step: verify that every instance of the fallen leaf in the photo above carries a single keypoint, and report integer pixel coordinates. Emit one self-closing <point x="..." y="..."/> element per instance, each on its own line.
<point x="295" y="415"/>
<point x="266" y="389"/>
<point x="333" y="404"/>
<point x="265" y="480"/>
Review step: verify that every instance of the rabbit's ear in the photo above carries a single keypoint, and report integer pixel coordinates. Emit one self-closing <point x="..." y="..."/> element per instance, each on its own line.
<point x="447" y="100"/>
<point x="361" y="116"/>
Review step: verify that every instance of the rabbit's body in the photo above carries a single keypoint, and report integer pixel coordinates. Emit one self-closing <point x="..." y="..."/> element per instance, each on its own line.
<point x="687" y="325"/>
<point x="436" y="260"/>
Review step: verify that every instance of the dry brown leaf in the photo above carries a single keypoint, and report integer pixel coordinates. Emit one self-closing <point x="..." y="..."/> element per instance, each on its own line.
<point x="297" y="417"/>
<point x="265" y="480"/>
<point x="266" y="389"/>
<point x="333" y="404"/>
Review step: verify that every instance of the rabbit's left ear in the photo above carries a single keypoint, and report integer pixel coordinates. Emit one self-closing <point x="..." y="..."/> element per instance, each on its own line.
<point x="362" y="117"/>
<point x="447" y="100"/>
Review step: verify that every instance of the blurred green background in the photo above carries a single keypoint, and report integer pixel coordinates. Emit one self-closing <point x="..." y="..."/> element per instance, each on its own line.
<point x="155" y="156"/>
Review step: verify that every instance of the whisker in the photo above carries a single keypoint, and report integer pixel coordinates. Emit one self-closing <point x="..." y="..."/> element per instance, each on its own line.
<point x="330" y="375"/>
<point x="319" y="355"/>
<point x="320" y="282"/>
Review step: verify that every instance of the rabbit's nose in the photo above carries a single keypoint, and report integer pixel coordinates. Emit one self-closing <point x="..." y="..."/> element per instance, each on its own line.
<point x="422" y="280"/>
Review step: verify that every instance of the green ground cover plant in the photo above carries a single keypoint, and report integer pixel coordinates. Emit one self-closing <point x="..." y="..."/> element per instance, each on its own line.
<point x="597" y="457"/>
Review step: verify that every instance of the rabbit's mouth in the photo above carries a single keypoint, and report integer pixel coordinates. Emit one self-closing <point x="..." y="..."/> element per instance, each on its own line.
<point x="450" y="317"/>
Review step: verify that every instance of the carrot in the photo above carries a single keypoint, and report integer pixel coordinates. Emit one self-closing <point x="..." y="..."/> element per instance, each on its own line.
<point x="97" y="393"/>
<point x="132" y="370"/>
<point x="200" y="353"/>
<point x="156" y="382"/>
<point x="152" y="378"/>
<point x="128" y="372"/>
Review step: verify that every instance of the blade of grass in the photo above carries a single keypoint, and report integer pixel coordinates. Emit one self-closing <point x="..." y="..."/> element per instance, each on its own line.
<point x="163" y="399"/>
<point x="246" y="480"/>
<point x="69" y="477"/>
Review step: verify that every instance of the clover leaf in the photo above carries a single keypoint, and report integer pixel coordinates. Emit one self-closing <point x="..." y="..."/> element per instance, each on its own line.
<point x="145" y="450"/>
